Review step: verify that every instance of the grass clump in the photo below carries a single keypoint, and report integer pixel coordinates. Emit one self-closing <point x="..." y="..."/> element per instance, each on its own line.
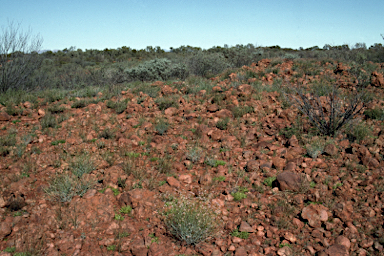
<point x="48" y="120"/>
<point x="269" y="181"/>
<point x="241" y="111"/>
<point x="376" y="113"/>
<point x="161" y="126"/>
<point x="214" y="162"/>
<point x="191" y="221"/>
<point x="242" y="234"/>
<point x="359" y="132"/>
<point x="118" y="106"/>
<point x="106" y="134"/>
<point x="315" y="147"/>
<point x="240" y="194"/>
<point x="81" y="165"/>
<point x="166" y="102"/>
<point x="194" y="154"/>
<point x="64" y="187"/>
<point x="80" y="103"/>
<point x="222" y="124"/>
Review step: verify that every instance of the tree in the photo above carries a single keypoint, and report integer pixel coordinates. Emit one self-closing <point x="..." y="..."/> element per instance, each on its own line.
<point x="19" y="56"/>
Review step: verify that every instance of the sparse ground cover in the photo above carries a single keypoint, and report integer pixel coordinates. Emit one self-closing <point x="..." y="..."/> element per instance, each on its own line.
<point x="221" y="165"/>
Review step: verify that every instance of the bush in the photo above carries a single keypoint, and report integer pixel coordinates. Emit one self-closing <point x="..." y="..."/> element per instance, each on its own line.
<point x="48" y="120"/>
<point x="166" y="102"/>
<point x="329" y="113"/>
<point x="18" y="57"/>
<point x="376" y="113"/>
<point x="241" y="111"/>
<point x="64" y="187"/>
<point x="222" y="124"/>
<point x="161" y="126"/>
<point x="81" y="165"/>
<point x="190" y="220"/>
<point x="157" y="69"/>
<point x="207" y="64"/>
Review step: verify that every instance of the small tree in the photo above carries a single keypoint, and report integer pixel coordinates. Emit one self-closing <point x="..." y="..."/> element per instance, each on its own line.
<point x="18" y="56"/>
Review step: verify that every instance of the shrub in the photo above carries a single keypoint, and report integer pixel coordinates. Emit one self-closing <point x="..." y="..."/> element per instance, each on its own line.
<point x="315" y="147"/>
<point x="207" y="64"/>
<point x="241" y="111"/>
<point x="48" y="120"/>
<point x="376" y="113"/>
<point x="106" y="134"/>
<point x="161" y="126"/>
<point x="166" y="102"/>
<point x="242" y="234"/>
<point x="157" y="69"/>
<point x="118" y="106"/>
<point x="81" y="165"/>
<point x="80" y="103"/>
<point x="191" y="220"/>
<point x="330" y="113"/>
<point x="222" y="124"/>
<point x="358" y="132"/>
<point x="194" y="154"/>
<point x="18" y="57"/>
<point x="64" y="187"/>
<point x="269" y="181"/>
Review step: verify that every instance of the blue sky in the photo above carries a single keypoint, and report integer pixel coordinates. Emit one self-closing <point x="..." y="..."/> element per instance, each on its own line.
<point x="100" y="24"/>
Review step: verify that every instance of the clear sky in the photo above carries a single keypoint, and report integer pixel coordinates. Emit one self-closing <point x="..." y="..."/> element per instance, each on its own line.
<point x="100" y="24"/>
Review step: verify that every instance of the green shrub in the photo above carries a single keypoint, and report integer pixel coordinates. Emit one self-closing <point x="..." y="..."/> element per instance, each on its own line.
<point x="376" y="113"/>
<point x="48" y="120"/>
<point x="118" y="106"/>
<point x="269" y="181"/>
<point x="64" y="187"/>
<point x="55" y="109"/>
<point x="315" y="147"/>
<point x="241" y="111"/>
<point x="80" y="103"/>
<point x="242" y="234"/>
<point x="151" y="91"/>
<point x="106" y="134"/>
<point x="194" y="154"/>
<point x="81" y="165"/>
<point x="191" y="220"/>
<point x="222" y="124"/>
<point x="161" y="126"/>
<point x="166" y="102"/>
<point x="207" y="64"/>
<point x="360" y="131"/>
<point x="157" y="69"/>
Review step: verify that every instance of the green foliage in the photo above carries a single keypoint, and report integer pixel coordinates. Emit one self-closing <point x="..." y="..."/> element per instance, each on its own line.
<point x="126" y="209"/>
<point x="241" y="111"/>
<point x="57" y="142"/>
<point x="190" y="220"/>
<point x="118" y="106"/>
<point x="376" y="113"/>
<point x="269" y="181"/>
<point x="157" y="69"/>
<point x="222" y="124"/>
<point x="81" y="165"/>
<point x="80" y="103"/>
<point x="194" y="154"/>
<point x="207" y="64"/>
<point x="360" y="131"/>
<point x="63" y="187"/>
<point x="56" y="108"/>
<point x="315" y="147"/>
<point x="214" y="162"/>
<point x="48" y="120"/>
<point x="161" y="126"/>
<point x="242" y="235"/>
<point x="240" y="194"/>
<point x="106" y="134"/>
<point x="166" y="102"/>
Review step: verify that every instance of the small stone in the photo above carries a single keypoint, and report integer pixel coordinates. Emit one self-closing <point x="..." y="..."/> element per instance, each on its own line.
<point x="173" y="182"/>
<point x="186" y="178"/>
<point x="41" y="112"/>
<point x="337" y="250"/>
<point x="289" y="181"/>
<point x="342" y="240"/>
<point x="4" y="116"/>
<point x="315" y="214"/>
<point x="245" y="227"/>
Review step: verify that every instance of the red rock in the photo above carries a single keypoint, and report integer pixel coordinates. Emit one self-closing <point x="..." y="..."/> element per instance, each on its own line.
<point x="217" y="89"/>
<point x="206" y="179"/>
<point x="173" y="182"/>
<point x="241" y="252"/>
<point x="4" y="116"/>
<point x="170" y="111"/>
<point x="27" y="104"/>
<point x="342" y="240"/>
<point x="330" y="149"/>
<point x="289" y="181"/>
<point x="186" y="178"/>
<point x="245" y="227"/>
<point x="223" y="113"/>
<point x="284" y="251"/>
<point x="212" y="108"/>
<point x="5" y="228"/>
<point x="337" y="250"/>
<point x="278" y="162"/>
<point x="315" y="214"/>
<point x="41" y="112"/>
<point x="252" y="166"/>
<point x="377" y="79"/>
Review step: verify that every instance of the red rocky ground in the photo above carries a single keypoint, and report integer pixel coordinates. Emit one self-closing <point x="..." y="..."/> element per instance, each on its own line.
<point x="331" y="204"/>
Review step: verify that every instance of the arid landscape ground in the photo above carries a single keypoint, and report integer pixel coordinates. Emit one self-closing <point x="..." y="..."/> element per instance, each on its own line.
<point x="225" y="165"/>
